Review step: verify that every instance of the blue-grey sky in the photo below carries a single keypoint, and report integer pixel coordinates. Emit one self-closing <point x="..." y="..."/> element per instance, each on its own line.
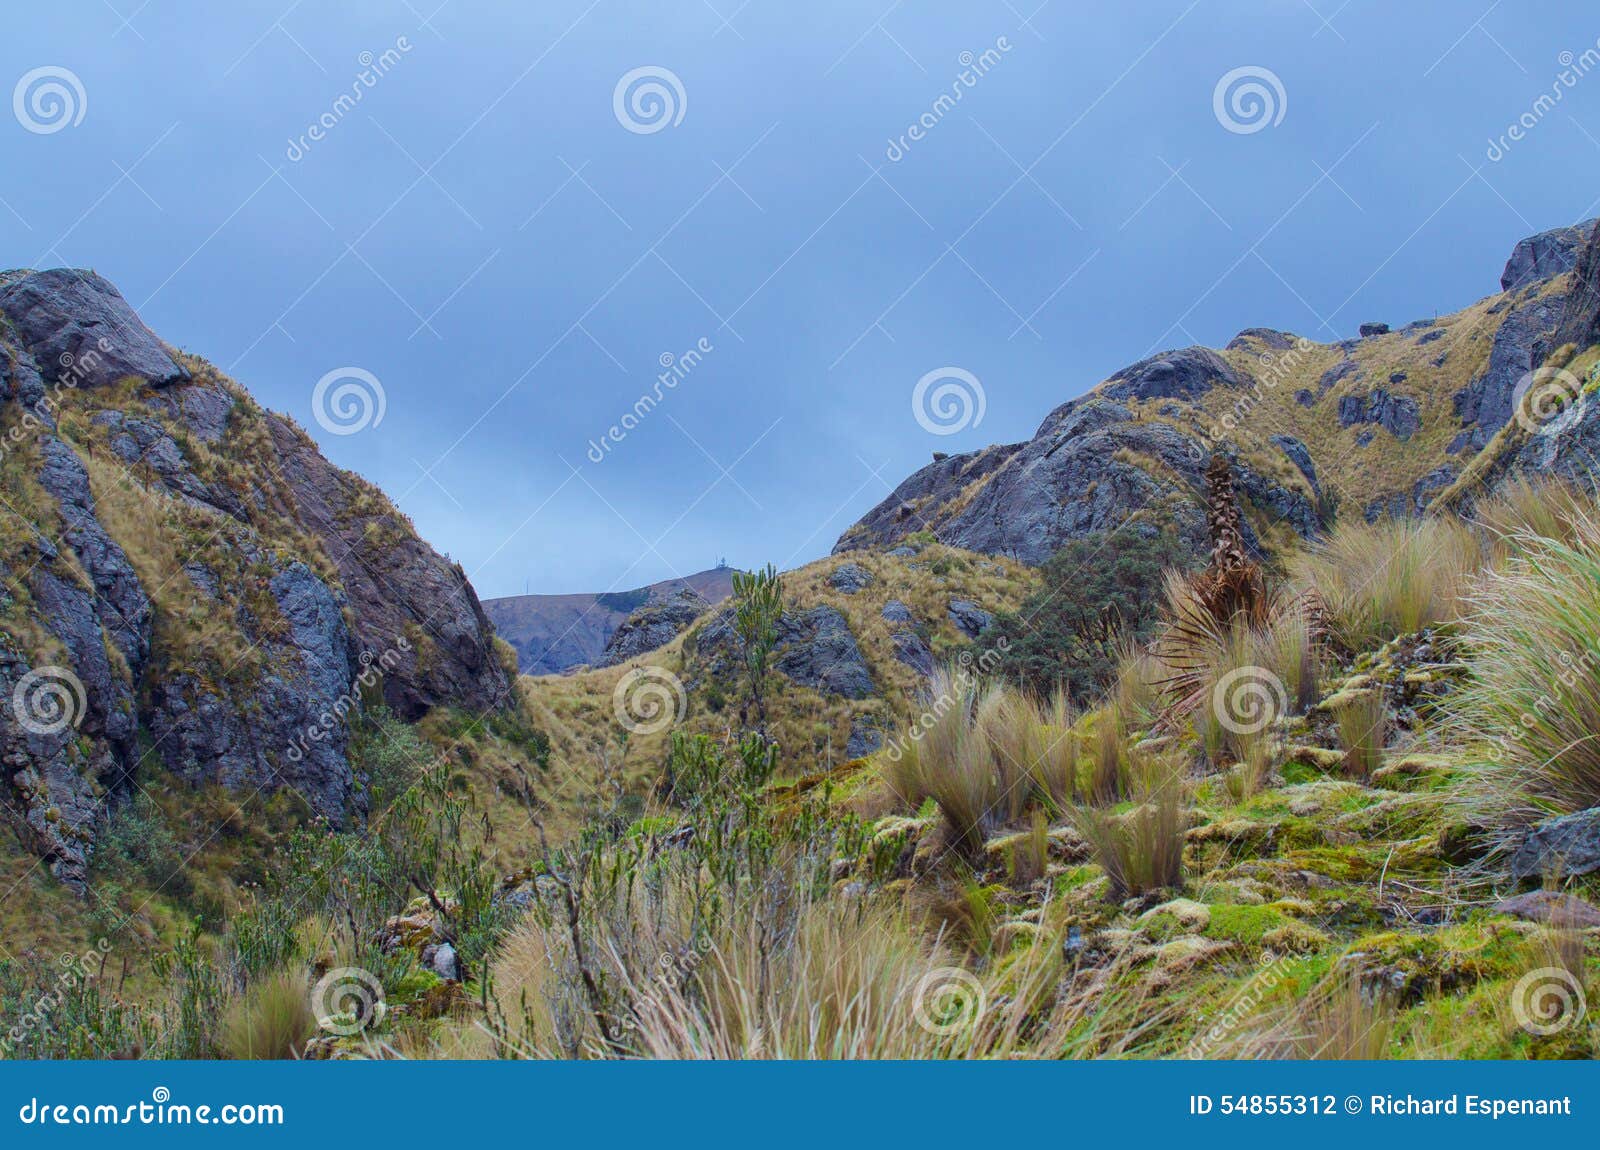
<point x="508" y="245"/>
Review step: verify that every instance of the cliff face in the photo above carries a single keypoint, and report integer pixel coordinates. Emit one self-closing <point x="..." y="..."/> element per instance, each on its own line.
<point x="189" y="586"/>
<point x="1373" y="426"/>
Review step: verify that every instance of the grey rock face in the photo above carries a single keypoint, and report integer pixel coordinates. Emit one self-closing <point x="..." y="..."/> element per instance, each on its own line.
<point x="1569" y="844"/>
<point x="969" y="618"/>
<point x="1548" y="906"/>
<point x="654" y="625"/>
<point x="913" y="651"/>
<point x="815" y="649"/>
<point x="1399" y="415"/>
<point x="1487" y="402"/>
<point x="1545" y="256"/>
<point x="896" y="612"/>
<point x="291" y="731"/>
<point x="1580" y="320"/>
<point x="850" y="578"/>
<point x="81" y="332"/>
<point x="1370" y="329"/>
<point x="1183" y="374"/>
<point x="402" y="588"/>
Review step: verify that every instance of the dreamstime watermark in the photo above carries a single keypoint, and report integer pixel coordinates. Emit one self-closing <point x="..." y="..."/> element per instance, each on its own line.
<point x="1249" y="99"/>
<point x="1248" y="700"/>
<point x="1275" y="369"/>
<point x="948" y="400"/>
<point x="967" y="671"/>
<point x="648" y="99"/>
<point x="1582" y="667"/>
<point x="973" y="69"/>
<point x="48" y="700"/>
<point x="1548" y="1000"/>
<point x="1244" y="1006"/>
<point x="39" y="415"/>
<point x="348" y="400"/>
<point x="649" y="699"/>
<point x="76" y="969"/>
<point x="348" y="1000"/>
<point x="373" y="69"/>
<point x="373" y="668"/>
<point x="675" y="369"/>
<point x="1573" y="69"/>
<point x="160" y="1110"/>
<point x="948" y="1000"/>
<point x="673" y="970"/>
<point x="49" y="99"/>
<point x="1542" y="395"/>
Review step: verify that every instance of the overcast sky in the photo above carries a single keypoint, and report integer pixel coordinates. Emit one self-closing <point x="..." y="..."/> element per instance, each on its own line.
<point x="514" y="225"/>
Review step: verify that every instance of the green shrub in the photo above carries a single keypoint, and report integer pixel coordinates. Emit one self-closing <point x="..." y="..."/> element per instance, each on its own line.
<point x="1098" y="596"/>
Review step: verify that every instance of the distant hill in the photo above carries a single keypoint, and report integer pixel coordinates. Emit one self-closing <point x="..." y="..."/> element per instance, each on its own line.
<point x="556" y="633"/>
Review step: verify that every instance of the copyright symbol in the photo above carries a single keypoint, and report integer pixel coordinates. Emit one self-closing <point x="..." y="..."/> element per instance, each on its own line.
<point x="1352" y="1104"/>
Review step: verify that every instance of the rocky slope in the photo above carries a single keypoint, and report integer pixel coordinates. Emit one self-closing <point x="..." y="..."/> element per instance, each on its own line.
<point x="189" y="586"/>
<point x="1372" y="426"/>
<point x="554" y="634"/>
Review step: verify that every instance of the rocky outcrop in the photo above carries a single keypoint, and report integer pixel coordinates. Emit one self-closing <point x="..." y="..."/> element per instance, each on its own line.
<point x="1545" y="256"/>
<point x="194" y="589"/>
<point x="815" y="649"/>
<point x="1136" y="445"/>
<point x="397" y="586"/>
<point x="850" y="578"/>
<point x="1396" y="414"/>
<point x="654" y="625"/>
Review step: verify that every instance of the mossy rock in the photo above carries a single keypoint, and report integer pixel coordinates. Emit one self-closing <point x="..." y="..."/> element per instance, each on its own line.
<point x="1265" y="927"/>
<point x="1446" y="958"/>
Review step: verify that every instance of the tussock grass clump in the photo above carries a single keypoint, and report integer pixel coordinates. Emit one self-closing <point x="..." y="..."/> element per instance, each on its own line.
<point x="1533" y="701"/>
<point x="984" y="753"/>
<point x="1343" y="1018"/>
<point x="1363" y="732"/>
<point x="272" y="1019"/>
<point x="1527" y="510"/>
<point x="1141" y="850"/>
<point x="1394" y="577"/>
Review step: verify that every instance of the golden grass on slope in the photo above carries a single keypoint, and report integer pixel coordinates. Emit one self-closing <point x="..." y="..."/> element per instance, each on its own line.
<point x="1391" y="578"/>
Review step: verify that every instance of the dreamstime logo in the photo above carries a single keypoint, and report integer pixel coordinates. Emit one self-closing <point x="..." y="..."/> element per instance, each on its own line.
<point x="948" y="999"/>
<point x="373" y="69"/>
<point x="48" y="99"/>
<point x="1548" y="1000"/>
<point x="649" y="699"/>
<point x="974" y="66"/>
<point x="1248" y="700"/>
<point x="948" y="400"/>
<point x="76" y="969"/>
<point x="1574" y="67"/>
<point x="965" y="674"/>
<point x="1248" y="99"/>
<point x="1543" y="394"/>
<point x="348" y="400"/>
<point x="1275" y="369"/>
<point x="48" y="700"/>
<point x="348" y="1000"/>
<point x="675" y="369"/>
<point x="648" y="99"/>
<point x="332" y="720"/>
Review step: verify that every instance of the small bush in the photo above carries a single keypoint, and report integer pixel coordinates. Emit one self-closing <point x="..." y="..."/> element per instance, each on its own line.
<point x="1094" y="601"/>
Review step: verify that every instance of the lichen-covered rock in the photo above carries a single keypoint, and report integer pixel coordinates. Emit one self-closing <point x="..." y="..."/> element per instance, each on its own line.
<point x="969" y="618"/>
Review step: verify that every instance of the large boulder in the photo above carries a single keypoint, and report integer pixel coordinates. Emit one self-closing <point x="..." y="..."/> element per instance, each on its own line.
<point x="80" y="332"/>
<point x="1545" y="256"/>
<point x="1566" y="846"/>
